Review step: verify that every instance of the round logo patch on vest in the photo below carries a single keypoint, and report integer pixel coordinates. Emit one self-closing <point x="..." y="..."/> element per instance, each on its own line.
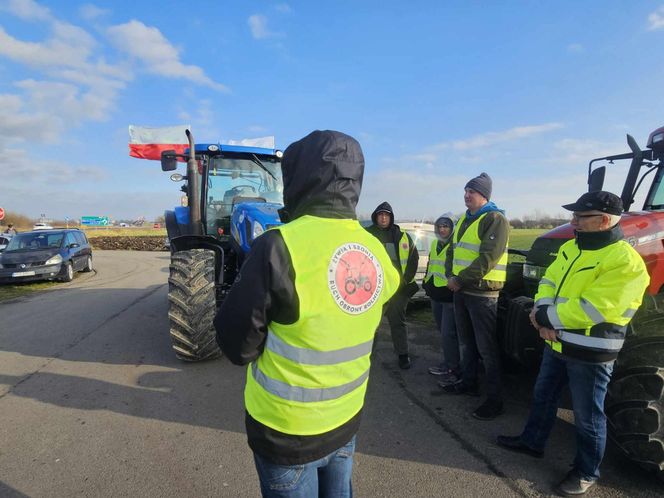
<point x="355" y="278"/>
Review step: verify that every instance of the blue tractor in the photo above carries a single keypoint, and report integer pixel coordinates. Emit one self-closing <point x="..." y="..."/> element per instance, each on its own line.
<point x="233" y="194"/>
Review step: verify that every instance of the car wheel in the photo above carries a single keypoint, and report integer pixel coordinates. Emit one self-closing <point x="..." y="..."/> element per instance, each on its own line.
<point x="68" y="272"/>
<point x="88" y="264"/>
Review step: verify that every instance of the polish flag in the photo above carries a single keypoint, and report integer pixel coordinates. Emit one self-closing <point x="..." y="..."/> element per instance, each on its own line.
<point x="148" y="143"/>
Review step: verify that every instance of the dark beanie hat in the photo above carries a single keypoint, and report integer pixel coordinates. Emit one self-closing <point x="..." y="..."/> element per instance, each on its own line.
<point x="481" y="184"/>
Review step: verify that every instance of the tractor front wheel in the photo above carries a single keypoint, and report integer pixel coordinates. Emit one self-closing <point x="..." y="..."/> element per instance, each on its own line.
<point x="192" y="306"/>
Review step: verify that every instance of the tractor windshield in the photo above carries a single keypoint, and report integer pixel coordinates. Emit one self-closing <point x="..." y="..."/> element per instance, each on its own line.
<point x="239" y="178"/>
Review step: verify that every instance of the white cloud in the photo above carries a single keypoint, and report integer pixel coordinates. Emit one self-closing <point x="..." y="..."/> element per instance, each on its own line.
<point x="656" y="19"/>
<point x="69" y="46"/>
<point x="283" y="7"/>
<point x="495" y="137"/>
<point x="91" y="12"/>
<point x="576" y="48"/>
<point x="148" y="45"/>
<point x="27" y="10"/>
<point x="259" y="29"/>
<point x="17" y="123"/>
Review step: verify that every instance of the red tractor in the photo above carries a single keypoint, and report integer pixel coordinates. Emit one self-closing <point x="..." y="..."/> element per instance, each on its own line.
<point x="635" y="401"/>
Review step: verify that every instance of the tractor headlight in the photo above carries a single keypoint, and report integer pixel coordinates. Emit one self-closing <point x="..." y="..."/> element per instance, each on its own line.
<point x="258" y="229"/>
<point x="533" y="272"/>
<point x="55" y="260"/>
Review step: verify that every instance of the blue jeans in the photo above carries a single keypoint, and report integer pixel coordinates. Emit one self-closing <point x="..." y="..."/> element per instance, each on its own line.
<point x="588" y="384"/>
<point x="443" y="314"/>
<point x="476" y="326"/>
<point x="329" y="477"/>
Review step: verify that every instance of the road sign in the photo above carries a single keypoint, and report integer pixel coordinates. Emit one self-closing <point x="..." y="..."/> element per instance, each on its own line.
<point x="2" y="214"/>
<point x="95" y="220"/>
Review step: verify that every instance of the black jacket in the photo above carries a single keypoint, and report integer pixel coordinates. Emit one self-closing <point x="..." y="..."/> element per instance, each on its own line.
<point x="392" y="236"/>
<point x="322" y="176"/>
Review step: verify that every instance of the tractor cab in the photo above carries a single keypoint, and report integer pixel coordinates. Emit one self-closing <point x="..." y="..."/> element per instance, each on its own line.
<point x="227" y="180"/>
<point x="643" y="228"/>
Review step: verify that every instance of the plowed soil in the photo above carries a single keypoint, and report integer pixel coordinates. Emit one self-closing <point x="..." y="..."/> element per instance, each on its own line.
<point x="146" y="243"/>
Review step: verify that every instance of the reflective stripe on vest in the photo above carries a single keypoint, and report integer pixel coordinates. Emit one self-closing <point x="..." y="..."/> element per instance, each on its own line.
<point x="312" y="374"/>
<point x="591" y="342"/>
<point x="311" y="357"/>
<point x="436" y="266"/>
<point x="467" y="250"/>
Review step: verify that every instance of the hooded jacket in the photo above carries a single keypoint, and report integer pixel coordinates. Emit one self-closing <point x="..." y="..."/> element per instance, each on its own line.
<point x="440" y="294"/>
<point x="322" y="176"/>
<point x="390" y="237"/>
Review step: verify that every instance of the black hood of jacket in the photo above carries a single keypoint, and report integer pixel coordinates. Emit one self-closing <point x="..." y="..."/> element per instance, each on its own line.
<point x="383" y="206"/>
<point x="322" y="176"/>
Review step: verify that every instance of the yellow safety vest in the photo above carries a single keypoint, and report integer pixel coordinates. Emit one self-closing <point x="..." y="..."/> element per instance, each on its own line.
<point x="312" y="375"/>
<point x="592" y="296"/>
<point x="436" y="266"/>
<point x="467" y="250"/>
<point x="404" y="252"/>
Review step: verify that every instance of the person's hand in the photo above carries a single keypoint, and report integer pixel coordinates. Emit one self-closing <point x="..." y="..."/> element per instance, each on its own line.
<point x="453" y="284"/>
<point x="548" y="334"/>
<point x="533" y="320"/>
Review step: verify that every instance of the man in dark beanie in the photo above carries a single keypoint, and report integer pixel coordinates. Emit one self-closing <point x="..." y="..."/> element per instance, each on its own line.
<point x="477" y="263"/>
<point x="303" y="314"/>
<point x="403" y="253"/>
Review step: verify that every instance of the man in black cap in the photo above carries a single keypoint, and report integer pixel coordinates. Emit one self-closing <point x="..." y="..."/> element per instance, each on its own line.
<point x="477" y="263"/>
<point x="582" y="307"/>
<point x="405" y="258"/>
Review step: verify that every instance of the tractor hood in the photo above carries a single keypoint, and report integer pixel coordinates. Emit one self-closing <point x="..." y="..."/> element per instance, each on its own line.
<point x="266" y="213"/>
<point x="322" y="176"/>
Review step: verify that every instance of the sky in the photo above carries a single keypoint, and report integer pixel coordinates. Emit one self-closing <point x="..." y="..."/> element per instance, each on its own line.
<point x="436" y="92"/>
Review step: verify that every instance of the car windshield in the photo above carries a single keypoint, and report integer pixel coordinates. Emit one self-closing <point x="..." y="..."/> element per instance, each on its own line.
<point x="32" y="241"/>
<point x="422" y="240"/>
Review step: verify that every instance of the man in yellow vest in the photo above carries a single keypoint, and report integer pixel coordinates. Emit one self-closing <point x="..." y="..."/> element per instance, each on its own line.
<point x="583" y="304"/>
<point x="477" y="262"/>
<point x="405" y="258"/>
<point x="442" y="305"/>
<point x="302" y="314"/>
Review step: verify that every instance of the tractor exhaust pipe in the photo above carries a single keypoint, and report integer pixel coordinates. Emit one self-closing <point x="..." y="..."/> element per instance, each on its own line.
<point x="193" y="189"/>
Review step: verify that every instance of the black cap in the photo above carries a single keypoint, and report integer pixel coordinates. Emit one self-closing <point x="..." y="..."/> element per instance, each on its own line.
<point x="605" y="202"/>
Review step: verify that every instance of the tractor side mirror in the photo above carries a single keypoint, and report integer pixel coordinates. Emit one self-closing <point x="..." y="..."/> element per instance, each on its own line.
<point x="596" y="179"/>
<point x="168" y="160"/>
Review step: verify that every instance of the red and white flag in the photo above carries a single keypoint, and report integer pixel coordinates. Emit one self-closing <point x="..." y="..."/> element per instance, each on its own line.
<point x="148" y="143"/>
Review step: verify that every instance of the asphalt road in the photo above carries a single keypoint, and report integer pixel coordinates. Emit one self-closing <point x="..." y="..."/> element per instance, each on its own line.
<point x="94" y="403"/>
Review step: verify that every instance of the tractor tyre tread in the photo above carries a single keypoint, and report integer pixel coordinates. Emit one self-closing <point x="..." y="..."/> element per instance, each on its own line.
<point x="635" y="403"/>
<point x="192" y="307"/>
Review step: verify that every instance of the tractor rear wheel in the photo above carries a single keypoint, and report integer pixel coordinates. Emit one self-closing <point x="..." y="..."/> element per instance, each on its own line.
<point x="635" y="401"/>
<point x="192" y="306"/>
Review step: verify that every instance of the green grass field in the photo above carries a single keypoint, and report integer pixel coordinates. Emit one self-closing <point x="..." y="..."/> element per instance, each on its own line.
<point x="523" y="238"/>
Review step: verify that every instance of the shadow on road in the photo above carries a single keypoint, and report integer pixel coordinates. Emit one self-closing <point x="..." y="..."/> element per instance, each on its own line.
<point x="66" y="359"/>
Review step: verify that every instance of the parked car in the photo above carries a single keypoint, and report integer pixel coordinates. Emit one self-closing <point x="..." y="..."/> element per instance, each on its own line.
<point x="41" y="226"/>
<point x="422" y="235"/>
<point x="45" y="255"/>
<point x="4" y="240"/>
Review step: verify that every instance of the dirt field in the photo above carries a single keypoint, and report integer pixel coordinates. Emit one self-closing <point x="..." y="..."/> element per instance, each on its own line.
<point x="129" y="243"/>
